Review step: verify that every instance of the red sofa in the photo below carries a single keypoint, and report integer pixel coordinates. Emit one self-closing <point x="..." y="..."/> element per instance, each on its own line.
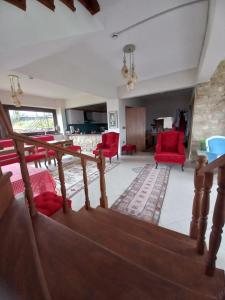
<point x="170" y="148"/>
<point x="109" y="145"/>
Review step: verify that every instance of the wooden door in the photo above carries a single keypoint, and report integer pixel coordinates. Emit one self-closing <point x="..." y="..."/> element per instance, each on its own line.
<point x="136" y="126"/>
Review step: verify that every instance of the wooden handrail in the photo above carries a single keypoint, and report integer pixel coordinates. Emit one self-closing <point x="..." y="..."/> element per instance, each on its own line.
<point x="219" y="162"/>
<point x="21" y="139"/>
<point x="29" y="140"/>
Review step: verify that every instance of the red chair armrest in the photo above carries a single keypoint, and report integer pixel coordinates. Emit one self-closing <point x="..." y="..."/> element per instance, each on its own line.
<point x="181" y="148"/>
<point x="159" y="143"/>
<point x="99" y="146"/>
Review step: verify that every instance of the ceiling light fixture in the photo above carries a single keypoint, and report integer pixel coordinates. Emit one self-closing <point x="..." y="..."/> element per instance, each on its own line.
<point x="16" y="90"/>
<point x="129" y="72"/>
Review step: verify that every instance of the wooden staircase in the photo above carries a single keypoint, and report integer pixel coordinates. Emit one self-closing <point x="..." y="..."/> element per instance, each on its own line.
<point x="101" y="254"/>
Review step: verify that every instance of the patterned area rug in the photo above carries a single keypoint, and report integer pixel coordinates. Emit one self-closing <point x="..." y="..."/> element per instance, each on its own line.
<point x="143" y="199"/>
<point x="74" y="175"/>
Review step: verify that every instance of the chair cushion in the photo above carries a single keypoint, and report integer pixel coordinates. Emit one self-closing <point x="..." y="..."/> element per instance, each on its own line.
<point x="170" y="157"/>
<point x="9" y="161"/>
<point x="48" y="203"/>
<point x="6" y="143"/>
<point x="7" y="156"/>
<point x="34" y="157"/>
<point x="170" y="141"/>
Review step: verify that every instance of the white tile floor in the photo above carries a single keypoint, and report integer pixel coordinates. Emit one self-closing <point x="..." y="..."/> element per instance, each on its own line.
<point x="176" y="210"/>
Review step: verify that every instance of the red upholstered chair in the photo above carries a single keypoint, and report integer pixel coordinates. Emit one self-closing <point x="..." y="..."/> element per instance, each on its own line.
<point x="109" y="145"/>
<point x="170" y="148"/>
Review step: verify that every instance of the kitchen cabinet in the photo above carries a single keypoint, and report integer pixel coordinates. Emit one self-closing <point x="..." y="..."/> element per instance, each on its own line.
<point x="75" y="116"/>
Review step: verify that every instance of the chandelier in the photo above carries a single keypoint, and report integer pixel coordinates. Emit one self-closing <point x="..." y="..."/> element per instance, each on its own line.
<point x="128" y="72"/>
<point x="16" y="90"/>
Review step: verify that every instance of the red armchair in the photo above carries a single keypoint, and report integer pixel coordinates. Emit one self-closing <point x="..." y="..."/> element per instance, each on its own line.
<point x="109" y="145"/>
<point x="170" y="148"/>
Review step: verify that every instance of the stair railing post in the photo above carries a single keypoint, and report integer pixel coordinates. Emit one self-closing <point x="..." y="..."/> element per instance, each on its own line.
<point x="218" y="223"/>
<point x="204" y="211"/>
<point x="101" y="167"/>
<point x="62" y="180"/>
<point x="84" y="167"/>
<point x="26" y="177"/>
<point x="198" y="183"/>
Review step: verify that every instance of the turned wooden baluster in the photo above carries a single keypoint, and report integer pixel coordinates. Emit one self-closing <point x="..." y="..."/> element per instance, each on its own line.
<point x="84" y="166"/>
<point x="26" y="177"/>
<point x="62" y="180"/>
<point x="101" y="167"/>
<point x="198" y="183"/>
<point x="218" y="223"/>
<point x="204" y="211"/>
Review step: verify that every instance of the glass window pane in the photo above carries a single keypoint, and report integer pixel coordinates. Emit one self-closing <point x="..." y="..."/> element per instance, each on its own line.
<point x="31" y="121"/>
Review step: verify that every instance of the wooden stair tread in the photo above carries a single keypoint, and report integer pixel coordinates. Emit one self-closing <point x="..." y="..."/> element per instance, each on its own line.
<point x="160" y="236"/>
<point x="148" y="225"/>
<point x="167" y="264"/>
<point x="21" y="274"/>
<point x="86" y="270"/>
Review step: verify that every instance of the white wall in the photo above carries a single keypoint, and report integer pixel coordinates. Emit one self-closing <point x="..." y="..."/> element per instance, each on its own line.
<point x="159" y="105"/>
<point x="165" y="83"/>
<point x="38" y="101"/>
<point x="83" y="100"/>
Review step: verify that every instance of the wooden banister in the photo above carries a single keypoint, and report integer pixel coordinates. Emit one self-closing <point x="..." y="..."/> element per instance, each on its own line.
<point x="31" y="141"/>
<point x="204" y="211"/>
<point x="198" y="183"/>
<point x="213" y="165"/>
<point x="101" y="167"/>
<point x="84" y="166"/>
<point x="62" y="181"/>
<point x="26" y="177"/>
<point x="218" y="223"/>
<point x="20" y="140"/>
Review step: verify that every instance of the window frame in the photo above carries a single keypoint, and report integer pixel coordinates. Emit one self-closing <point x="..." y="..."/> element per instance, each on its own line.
<point x="30" y="108"/>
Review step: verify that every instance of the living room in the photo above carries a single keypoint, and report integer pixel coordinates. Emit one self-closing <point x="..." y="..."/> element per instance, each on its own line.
<point x="111" y="131"/>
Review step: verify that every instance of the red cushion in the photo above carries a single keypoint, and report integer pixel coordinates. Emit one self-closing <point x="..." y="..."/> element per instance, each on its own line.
<point x="6" y="143"/>
<point x="170" y="141"/>
<point x="51" y="153"/>
<point x="7" y="156"/>
<point x="48" y="203"/>
<point x="34" y="157"/>
<point x="9" y="161"/>
<point x="170" y="157"/>
<point x="44" y="138"/>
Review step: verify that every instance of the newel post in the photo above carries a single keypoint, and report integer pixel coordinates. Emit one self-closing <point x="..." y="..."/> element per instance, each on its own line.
<point x="218" y="223"/>
<point x="26" y="177"/>
<point x="62" y="181"/>
<point x="204" y="211"/>
<point x="198" y="183"/>
<point x="101" y="167"/>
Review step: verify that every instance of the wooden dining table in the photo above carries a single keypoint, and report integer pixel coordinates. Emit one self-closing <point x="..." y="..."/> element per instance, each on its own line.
<point x="61" y="142"/>
<point x="8" y="150"/>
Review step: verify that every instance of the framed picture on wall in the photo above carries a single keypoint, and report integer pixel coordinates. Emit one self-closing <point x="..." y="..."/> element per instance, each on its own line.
<point x="113" y="119"/>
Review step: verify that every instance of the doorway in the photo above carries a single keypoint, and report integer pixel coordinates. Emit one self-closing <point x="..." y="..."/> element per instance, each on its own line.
<point x="136" y="127"/>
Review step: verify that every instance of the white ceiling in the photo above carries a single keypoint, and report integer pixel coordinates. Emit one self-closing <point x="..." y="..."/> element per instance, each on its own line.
<point x="76" y="51"/>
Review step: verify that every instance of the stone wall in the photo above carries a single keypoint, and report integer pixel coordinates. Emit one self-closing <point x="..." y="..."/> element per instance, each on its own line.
<point x="209" y="109"/>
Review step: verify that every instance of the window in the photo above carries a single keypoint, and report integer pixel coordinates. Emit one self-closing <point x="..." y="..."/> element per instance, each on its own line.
<point x="32" y="120"/>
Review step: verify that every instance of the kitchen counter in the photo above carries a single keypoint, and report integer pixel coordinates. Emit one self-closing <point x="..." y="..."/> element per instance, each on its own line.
<point x="88" y="142"/>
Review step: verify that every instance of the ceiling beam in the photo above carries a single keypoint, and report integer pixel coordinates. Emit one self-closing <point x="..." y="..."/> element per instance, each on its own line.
<point x="49" y="3"/>
<point x="69" y="3"/>
<point x="91" y="5"/>
<point x="19" y="3"/>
